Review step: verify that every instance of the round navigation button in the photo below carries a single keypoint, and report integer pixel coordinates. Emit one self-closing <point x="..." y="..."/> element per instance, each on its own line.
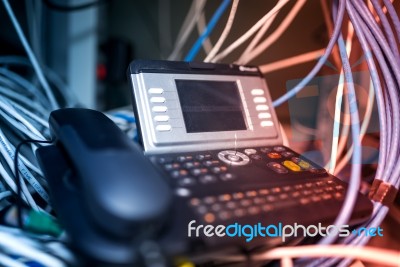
<point x="232" y="157"/>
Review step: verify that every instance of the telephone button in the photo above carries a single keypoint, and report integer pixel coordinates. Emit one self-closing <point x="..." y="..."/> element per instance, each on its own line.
<point x="256" y="157"/>
<point x="161" y="118"/>
<point x="156" y="91"/>
<point x="274" y="155"/>
<point x="208" y="178"/>
<point x="266" y="123"/>
<point x="264" y="115"/>
<point x="257" y="92"/>
<point x="279" y="148"/>
<point x="261" y="107"/>
<point x="265" y="149"/>
<point x="232" y="157"/>
<point x="260" y="99"/>
<point x="187" y="181"/>
<point x="157" y="99"/>
<point x="291" y="166"/>
<point x="163" y="128"/>
<point x="276" y="167"/>
<point x="250" y="151"/>
<point x="304" y="164"/>
<point x="287" y="154"/>
<point x="227" y="177"/>
<point x="160" y="109"/>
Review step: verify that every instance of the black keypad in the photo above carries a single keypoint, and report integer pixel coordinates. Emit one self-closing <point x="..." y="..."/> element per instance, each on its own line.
<point x="253" y="202"/>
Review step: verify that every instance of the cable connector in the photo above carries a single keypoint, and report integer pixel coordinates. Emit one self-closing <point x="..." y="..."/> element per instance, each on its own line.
<point x="383" y="192"/>
<point x="34" y="221"/>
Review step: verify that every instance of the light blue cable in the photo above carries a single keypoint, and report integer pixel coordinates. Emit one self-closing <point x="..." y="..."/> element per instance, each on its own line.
<point x="207" y="31"/>
<point x="31" y="55"/>
<point x="320" y="62"/>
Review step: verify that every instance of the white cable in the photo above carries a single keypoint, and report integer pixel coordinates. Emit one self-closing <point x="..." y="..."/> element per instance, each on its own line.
<point x="338" y="104"/>
<point x="20" y="246"/>
<point x="225" y="32"/>
<point x="23" y="100"/>
<point x="187" y="27"/>
<point x="10" y="110"/>
<point x="26" y="195"/>
<point x="364" y="127"/>
<point x="374" y="255"/>
<point x="5" y="194"/>
<point x="31" y="55"/>
<point x="201" y="26"/>
<point x="9" y="262"/>
<point x="258" y="37"/>
<point x="52" y="76"/>
<point x="25" y="85"/>
<point x="275" y="35"/>
<point x="18" y="125"/>
<point x="9" y="153"/>
<point x="33" y="116"/>
<point x="250" y="32"/>
<point x="288" y="62"/>
<point x="31" y="166"/>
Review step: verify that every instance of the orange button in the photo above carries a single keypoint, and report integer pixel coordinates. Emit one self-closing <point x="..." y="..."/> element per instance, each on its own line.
<point x="274" y="155"/>
<point x="291" y="166"/>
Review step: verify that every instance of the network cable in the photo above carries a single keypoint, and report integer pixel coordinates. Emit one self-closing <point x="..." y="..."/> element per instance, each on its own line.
<point x="201" y="25"/>
<point x="224" y="33"/>
<point x="214" y="20"/>
<point x="250" y="32"/>
<point x="247" y="57"/>
<point x="192" y="16"/>
<point x="31" y="56"/>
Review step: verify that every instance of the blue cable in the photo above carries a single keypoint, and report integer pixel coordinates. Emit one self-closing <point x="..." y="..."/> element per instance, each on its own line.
<point x="207" y="31"/>
<point x="321" y="61"/>
<point x="128" y="118"/>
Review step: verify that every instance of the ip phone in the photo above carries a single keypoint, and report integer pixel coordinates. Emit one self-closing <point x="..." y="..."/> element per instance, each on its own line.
<point x="210" y="151"/>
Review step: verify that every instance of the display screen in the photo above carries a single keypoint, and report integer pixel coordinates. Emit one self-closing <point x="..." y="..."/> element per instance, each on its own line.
<point x="210" y="106"/>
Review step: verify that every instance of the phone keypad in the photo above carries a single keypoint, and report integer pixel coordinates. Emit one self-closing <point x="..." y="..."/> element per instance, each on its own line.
<point x="253" y="202"/>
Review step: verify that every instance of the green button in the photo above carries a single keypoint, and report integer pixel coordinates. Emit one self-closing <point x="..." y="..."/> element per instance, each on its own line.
<point x="304" y="164"/>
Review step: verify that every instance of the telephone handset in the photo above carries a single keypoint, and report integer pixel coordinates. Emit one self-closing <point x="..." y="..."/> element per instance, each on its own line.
<point x="104" y="190"/>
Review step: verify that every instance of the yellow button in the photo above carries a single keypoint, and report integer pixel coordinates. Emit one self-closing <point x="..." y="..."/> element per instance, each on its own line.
<point x="304" y="164"/>
<point x="291" y="166"/>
